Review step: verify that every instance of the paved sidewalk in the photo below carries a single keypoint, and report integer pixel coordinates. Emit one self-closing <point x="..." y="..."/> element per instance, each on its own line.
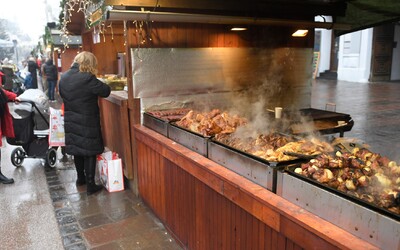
<point x="44" y="209"/>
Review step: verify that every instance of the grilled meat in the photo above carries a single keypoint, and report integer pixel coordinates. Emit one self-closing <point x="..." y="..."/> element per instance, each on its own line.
<point x="211" y="123"/>
<point x="275" y="146"/>
<point x="362" y="173"/>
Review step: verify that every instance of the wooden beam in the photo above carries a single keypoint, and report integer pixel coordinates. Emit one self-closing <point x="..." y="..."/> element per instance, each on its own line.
<point x="251" y="7"/>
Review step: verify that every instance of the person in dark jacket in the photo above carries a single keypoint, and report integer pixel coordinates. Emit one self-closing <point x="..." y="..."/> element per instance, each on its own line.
<point x="51" y="74"/>
<point x="80" y="89"/>
<point x="33" y="68"/>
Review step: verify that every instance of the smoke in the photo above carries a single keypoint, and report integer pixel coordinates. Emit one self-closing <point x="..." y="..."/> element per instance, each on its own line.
<point x="275" y="85"/>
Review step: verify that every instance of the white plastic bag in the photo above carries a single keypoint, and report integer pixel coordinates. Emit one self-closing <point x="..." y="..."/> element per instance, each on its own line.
<point x="56" y="128"/>
<point x="110" y="171"/>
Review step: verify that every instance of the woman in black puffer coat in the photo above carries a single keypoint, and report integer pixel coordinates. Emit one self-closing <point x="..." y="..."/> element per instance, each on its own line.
<point x="80" y="89"/>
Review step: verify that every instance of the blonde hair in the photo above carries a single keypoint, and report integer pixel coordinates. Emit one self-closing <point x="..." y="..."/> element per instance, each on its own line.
<point x="87" y="62"/>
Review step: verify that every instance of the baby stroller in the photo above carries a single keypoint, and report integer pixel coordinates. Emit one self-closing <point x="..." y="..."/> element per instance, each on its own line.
<point x="31" y="127"/>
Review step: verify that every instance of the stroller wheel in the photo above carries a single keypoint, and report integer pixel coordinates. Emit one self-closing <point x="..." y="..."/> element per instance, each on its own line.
<point x="17" y="157"/>
<point x="51" y="157"/>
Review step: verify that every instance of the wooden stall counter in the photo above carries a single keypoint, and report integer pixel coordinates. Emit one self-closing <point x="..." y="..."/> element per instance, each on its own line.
<point x="207" y="206"/>
<point x="115" y="127"/>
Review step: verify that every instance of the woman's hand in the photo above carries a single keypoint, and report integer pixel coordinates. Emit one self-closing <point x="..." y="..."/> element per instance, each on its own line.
<point x="17" y="100"/>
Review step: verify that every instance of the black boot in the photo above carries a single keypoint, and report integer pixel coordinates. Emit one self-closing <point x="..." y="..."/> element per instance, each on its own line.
<point x="4" y="179"/>
<point x="90" y="171"/>
<point x="80" y="170"/>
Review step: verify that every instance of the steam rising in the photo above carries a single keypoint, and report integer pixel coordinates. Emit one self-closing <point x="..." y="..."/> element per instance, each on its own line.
<point x="281" y="71"/>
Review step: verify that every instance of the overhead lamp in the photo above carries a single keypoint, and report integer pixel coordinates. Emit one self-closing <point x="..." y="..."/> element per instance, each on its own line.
<point x="238" y="28"/>
<point x="300" y="33"/>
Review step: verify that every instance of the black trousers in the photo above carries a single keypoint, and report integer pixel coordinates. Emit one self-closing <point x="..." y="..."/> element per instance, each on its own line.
<point x="85" y="167"/>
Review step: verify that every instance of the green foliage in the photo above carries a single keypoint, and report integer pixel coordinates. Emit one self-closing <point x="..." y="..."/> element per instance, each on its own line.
<point x="61" y="16"/>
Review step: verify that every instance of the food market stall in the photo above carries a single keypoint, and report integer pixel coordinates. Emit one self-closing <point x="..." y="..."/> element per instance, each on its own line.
<point x="183" y="62"/>
<point x="180" y="183"/>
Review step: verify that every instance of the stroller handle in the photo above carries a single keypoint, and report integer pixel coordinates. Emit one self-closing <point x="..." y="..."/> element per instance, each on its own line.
<point x="35" y="107"/>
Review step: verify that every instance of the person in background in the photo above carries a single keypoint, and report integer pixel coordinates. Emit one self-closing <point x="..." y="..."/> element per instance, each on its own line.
<point x="51" y="74"/>
<point x="33" y="68"/>
<point x="80" y="89"/>
<point x="6" y="125"/>
<point x="28" y="80"/>
<point x="39" y="64"/>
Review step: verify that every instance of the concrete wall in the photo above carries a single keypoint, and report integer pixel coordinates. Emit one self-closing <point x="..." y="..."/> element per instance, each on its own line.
<point x="355" y="50"/>
<point x="325" y="46"/>
<point x="396" y="55"/>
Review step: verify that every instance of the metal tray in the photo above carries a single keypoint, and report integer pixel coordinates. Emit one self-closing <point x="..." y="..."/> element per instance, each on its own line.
<point x="269" y="163"/>
<point x="254" y="170"/>
<point x="155" y="124"/>
<point x="378" y="226"/>
<point x="189" y="139"/>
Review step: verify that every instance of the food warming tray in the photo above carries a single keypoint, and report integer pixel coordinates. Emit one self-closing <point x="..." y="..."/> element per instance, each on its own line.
<point x="254" y="168"/>
<point x="376" y="225"/>
<point x="187" y="138"/>
<point x="156" y="124"/>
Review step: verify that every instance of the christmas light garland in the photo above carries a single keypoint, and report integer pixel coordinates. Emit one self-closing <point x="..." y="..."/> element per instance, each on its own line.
<point x="87" y="7"/>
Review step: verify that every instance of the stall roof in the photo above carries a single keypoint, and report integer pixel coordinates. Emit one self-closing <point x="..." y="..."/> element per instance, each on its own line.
<point x="288" y="9"/>
<point x="362" y="14"/>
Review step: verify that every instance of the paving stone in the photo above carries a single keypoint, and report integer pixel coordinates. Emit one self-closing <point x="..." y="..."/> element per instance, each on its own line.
<point x="66" y="220"/>
<point x="64" y="212"/>
<point x="72" y="239"/>
<point x="79" y="246"/>
<point x="57" y="188"/>
<point x="94" y="221"/>
<point x="109" y="246"/>
<point x="69" y="229"/>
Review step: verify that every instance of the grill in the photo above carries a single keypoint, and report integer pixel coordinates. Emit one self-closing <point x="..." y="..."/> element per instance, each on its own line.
<point x="371" y="223"/>
<point x="327" y="122"/>
<point x="156" y="124"/>
<point x="158" y="120"/>
<point x="376" y="225"/>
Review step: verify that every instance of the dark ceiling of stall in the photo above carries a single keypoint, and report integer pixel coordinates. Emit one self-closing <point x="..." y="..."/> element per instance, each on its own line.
<point x="288" y="9"/>
<point x="356" y="14"/>
<point x="361" y="14"/>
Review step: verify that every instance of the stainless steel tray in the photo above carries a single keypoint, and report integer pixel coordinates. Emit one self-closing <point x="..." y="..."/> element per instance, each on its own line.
<point x="254" y="170"/>
<point x="363" y="222"/>
<point x="155" y="124"/>
<point x="189" y="139"/>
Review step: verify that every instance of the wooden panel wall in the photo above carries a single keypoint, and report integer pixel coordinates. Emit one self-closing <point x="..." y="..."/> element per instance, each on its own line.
<point x="111" y="42"/>
<point x="183" y="35"/>
<point x="206" y="206"/>
<point x="199" y="217"/>
<point x="116" y="133"/>
<point x="67" y="58"/>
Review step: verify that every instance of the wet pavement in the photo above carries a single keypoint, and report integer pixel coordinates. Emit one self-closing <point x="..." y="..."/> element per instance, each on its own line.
<point x="44" y="209"/>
